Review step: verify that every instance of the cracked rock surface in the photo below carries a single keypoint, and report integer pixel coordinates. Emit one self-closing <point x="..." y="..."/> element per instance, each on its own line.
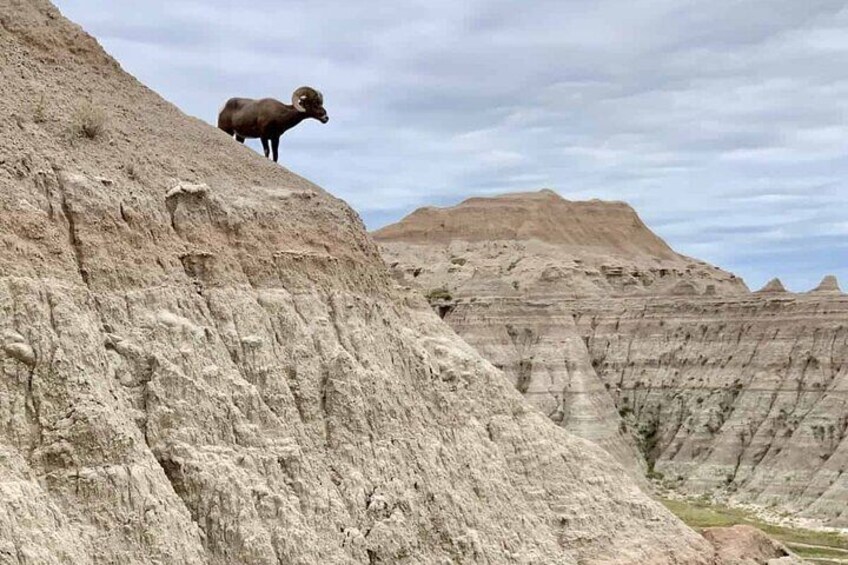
<point x="744" y="397"/>
<point x="205" y="361"/>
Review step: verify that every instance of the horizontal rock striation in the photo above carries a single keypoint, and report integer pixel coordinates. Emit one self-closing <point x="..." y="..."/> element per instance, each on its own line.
<point x="742" y="395"/>
<point x="774" y="285"/>
<point x="746" y="397"/>
<point x="541" y="216"/>
<point x="204" y="361"/>
<point x="504" y="295"/>
<point x="538" y="347"/>
<point x="828" y="285"/>
<point x="541" y="245"/>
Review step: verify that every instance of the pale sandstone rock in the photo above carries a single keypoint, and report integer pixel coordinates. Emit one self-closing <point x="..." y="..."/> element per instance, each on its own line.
<point x="538" y="347"/>
<point x="829" y="284"/>
<point x="230" y="375"/>
<point x="747" y="545"/>
<point x="739" y="395"/>
<point x="774" y="285"/>
<point x="539" y="244"/>
<point x="742" y="397"/>
<point x="187" y="188"/>
<point x="505" y="293"/>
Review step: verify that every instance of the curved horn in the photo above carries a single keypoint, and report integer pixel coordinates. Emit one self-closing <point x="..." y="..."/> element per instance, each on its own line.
<point x="303" y="93"/>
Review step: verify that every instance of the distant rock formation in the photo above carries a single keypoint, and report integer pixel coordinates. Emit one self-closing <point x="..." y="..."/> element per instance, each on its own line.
<point x="538" y="347"/>
<point x="724" y="391"/>
<point x="741" y="396"/>
<point x="538" y="243"/>
<point x="747" y="545"/>
<point x="829" y="285"/>
<point x="613" y="227"/>
<point x="774" y="285"/>
<point x="542" y="246"/>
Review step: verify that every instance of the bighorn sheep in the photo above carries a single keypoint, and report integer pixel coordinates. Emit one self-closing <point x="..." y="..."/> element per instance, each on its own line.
<point x="268" y="119"/>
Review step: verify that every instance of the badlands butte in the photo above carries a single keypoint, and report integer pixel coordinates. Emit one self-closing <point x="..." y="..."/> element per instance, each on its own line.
<point x="671" y="364"/>
<point x="204" y="360"/>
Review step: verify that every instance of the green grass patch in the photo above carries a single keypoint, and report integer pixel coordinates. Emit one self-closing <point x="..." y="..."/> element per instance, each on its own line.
<point x="701" y="514"/>
<point x="823" y="553"/>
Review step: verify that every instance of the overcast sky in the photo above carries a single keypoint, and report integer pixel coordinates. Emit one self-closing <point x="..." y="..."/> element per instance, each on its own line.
<point x="722" y="121"/>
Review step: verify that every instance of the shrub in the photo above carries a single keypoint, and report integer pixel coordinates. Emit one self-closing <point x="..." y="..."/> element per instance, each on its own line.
<point x="439" y="294"/>
<point x="89" y="121"/>
<point x="39" y="112"/>
<point x="132" y="171"/>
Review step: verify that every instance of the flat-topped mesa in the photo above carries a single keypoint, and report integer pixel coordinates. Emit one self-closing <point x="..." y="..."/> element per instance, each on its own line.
<point x="775" y="285"/>
<point x="538" y="243"/>
<point x="612" y="227"/>
<point x="829" y="285"/>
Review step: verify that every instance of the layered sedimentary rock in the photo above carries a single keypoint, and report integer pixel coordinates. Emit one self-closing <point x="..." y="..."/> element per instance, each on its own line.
<point x="828" y="285"/>
<point x="726" y="392"/>
<point x="746" y="545"/>
<point x="774" y="285"/>
<point x="204" y="360"/>
<point x="539" y="244"/>
<point x="537" y="346"/>
<point x="497" y="269"/>
<point x="746" y="397"/>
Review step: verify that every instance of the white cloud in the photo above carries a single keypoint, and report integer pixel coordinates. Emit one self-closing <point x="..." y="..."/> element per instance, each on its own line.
<point x="723" y="122"/>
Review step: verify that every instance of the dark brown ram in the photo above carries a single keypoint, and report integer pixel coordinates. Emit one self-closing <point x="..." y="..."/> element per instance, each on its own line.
<point x="268" y="119"/>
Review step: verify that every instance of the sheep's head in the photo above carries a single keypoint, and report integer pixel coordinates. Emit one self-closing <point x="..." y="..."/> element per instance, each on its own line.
<point x="311" y="102"/>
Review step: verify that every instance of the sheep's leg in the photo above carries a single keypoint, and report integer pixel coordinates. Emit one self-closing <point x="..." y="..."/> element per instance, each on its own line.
<point x="265" y="146"/>
<point x="239" y="138"/>
<point x="275" y="146"/>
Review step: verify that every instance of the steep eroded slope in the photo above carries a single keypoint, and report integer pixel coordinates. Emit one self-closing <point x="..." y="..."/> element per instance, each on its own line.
<point x="745" y="397"/>
<point x="742" y="395"/>
<point x="205" y="361"/>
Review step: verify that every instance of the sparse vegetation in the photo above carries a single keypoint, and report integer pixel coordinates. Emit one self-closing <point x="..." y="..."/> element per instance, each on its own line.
<point x="89" y="121"/>
<point x="654" y="475"/>
<point x="806" y="543"/>
<point x="39" y="112"/>
<point x="648" y="436"/>
<point x="525" y="373"/>
<point x="439" y="294"/>
<point x="132" y="171"/>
